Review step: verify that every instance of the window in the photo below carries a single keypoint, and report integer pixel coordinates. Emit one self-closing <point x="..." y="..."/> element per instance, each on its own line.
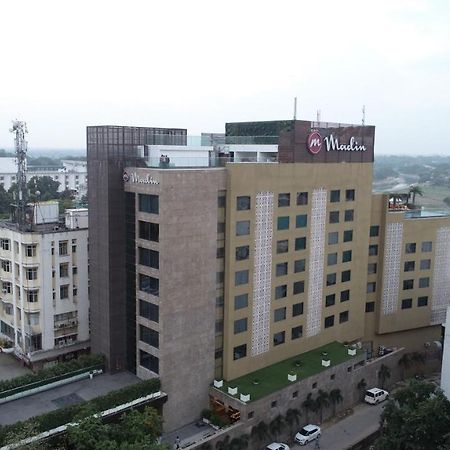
<point x="6" y="265"/>
<point x="301" y="221"/>
<point x="220" y="252"/>
<point x="147" y="284"/>
<point x="243" y="203"/>
<point x="329" y="321"/>
<point x="284" y="200"/>
<point x="63" y="248"/>
<point x="149" y="203"/>
<point x="220" y="227"/>
<point x="148" y="361"/>
<point x="149" y="311"/>
<point x="32" y="296"/>
<point x="300" y="243"/>
<point x="5" y="244"/>
<point x="149" y="231"/>
<point x="345" y="276"/>
<point x="408" y="284"/>
<point x="424" y="282"/>
<point x="296" y="332"/>
<point x="349" y="215"/>
<point x="346" y="256"/>
<point x="282" y="246"/>
<point x="370" y="307"/>
<point x="331" y="259"/>
<point x="279" y="314"/>
<point x="219" y="277"/>
<point x="343" y="317"/>
<point x="425" y="264"/>
<point x="221" y="201"/>
<point x="299" y="287"/>
<point x="242" y="227"/>
<point x="350" y="195"/>
<point x="74" y="270"/>
<point x="299" y="265"/>
<point x="281" y="291"/>
<point x="279" y="338"/>
<point x="30" y="250"/>
<point x="64" y="292"/>
<point x="427" y="246"/>
<point x="348" y="235"/>
<point x="240" y="301"/>
<point x="241" y="277"/>
<point x="330" y="300"/>
<point x="31" y="273"/>
<point x="410" y="247"/>
<point x="64" y="270"/>
<point x="240" y="325"/>
<point x="334" y="217"/>
<point x="219" y="301"/>
<point x="240" y="351"/>
<point x="422" y="301"/>
<point x="297" y="309"/>
<point x="371" y="287"/>
<point x="335" y="196"/>
<point x="345" y="295"/>
<point x="371" y="268"/>
<point x="331" y="279"/>
<point x="75" y="291"/>
<point x="333" y="238"/>
<point x="302" y="198"/>
<point x="219" y="327"/>
<point x="407" y="303"/>
<point x="149" y="258"/>
<point x="149" y="336"/>
<point x="6" y="287"/>
<point x="283" y="223"/>
<point x="374" y="231"/>
<point x="242" y="252"/>
<point x="373" y="250"/>
<point x="281" y="269"/>
<point x="8" y="309"/>
<point x="409" y="266"/>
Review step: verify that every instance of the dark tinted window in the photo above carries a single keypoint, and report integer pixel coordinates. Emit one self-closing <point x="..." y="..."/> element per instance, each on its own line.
<point x="330" y="300"/>
<point x="281" y="291"/>
<point x="149" y="203"/>
<point x="149" y="336"/>
<point x="299" y="265"/>
<point x="279" y="338"/>
<point x="240" y="351"/>
<point x="370" y="307"/>
<point x="300" y="243"/>
<point x="148" y="284"/>
<point x="296" y="332"/>
<point x="346" y="256"/>
<point x="149" y="257"/>
<point x="302" y="198"/>
<point x="282" y="246"/>
<point x="242" y="227"/>
<point x="149" y="231"/>
<point x="149" y="311"/>
<point x="279" y="314"/>
<point x="349" y="215"/>
<point x="281" y="269"/>
<point x="374" y="231"/>
<point x="240" y="325"/>
<point x="283" y="223"/>
<point x="335" y="196"/>
<point x="297" y="309"/>
<point x="329" y="321"/>
<point x="350" y="195"/>
<point x="242" y="252"/>
<point x="148" y="361"/>
<point x="284" y="200"/>
<point x="407" y="303"/>
<point x="422" y="301"/>
<point x="334" y="217"/>
<point x="345" y="295"/>
<point x="301" y="221"/>
<point x="410" y="247"/>
<point x="241" y="277"/>
<point x="241" y="301"/>
<point x="299" y="287"/>
<point x="343" y="317"/>
<point x="243" y="203"/>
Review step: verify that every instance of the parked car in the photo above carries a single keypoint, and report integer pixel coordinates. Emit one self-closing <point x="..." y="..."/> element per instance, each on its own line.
<point x="277" y="446"/>
<point x="375" y="395"/>
<point x="307" y="434"/>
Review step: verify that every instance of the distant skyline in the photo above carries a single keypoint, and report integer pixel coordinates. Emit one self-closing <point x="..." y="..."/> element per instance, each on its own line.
<point x="199" y="64"/>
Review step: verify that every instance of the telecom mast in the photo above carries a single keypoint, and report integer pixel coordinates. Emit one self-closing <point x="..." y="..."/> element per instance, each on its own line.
<point x="19" y="128"/>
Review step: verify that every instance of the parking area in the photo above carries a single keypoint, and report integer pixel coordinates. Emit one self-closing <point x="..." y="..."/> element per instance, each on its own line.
<point x="10" y="367"/>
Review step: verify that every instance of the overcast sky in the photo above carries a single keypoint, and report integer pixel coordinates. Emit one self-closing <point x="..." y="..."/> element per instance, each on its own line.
<point x="198" y="64"/>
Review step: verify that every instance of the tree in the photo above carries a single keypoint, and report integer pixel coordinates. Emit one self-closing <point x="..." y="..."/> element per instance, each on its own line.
<point x="239" y="443"/>
<point x="384" y="374"/>
<point x="416" y="417"/>
<point x="6" y="199"/>
<point x="361" y="388"/>
<point x="90" y="433"/>
<point x="335" y="398"/>
<point x="322" y="401"/>
<point x="292" y="418"/>
<point x="418" y="359"/>
<point x="43" y="189"/>
<point x="415" y="190"/>
<point x="260" y="432"/>
<point x="447" y="201"/>
<point x="223" y="445"/>
<point x="405" y="363"/>
<point x="28" y="429"/>
<point x="276" y="426"/>
<point x="309" y="405"/>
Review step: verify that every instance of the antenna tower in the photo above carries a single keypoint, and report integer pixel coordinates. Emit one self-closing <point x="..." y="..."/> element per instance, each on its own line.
<point x="295" y="108"/>
<point x="318" y="116"/>
<point x="363" y="122"/>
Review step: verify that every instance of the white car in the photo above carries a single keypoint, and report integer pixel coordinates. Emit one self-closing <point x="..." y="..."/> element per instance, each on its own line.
<point x="277" y="446"/>
<point x="375" y="395"/>
<point x="307" y="434"/>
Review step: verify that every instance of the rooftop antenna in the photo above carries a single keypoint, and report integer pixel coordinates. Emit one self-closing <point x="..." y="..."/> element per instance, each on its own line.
<point x="363" y="122"/>
<point x="318" y="116"/>
<point x="295" y="108"/>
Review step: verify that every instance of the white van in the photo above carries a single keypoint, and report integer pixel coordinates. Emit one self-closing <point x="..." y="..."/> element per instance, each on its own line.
<point x="375" y="395"/>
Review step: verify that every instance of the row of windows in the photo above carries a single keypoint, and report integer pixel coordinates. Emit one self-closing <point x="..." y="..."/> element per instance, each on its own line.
<point x="410" y="266"/>
<point x="407" y="303"/>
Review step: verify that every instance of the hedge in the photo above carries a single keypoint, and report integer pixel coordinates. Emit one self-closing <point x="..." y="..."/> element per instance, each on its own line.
<point x="67" y="414"/>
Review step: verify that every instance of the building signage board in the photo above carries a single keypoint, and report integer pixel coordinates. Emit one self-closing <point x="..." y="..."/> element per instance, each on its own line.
<point x="315" y="141"/>
<point x="134" y="177"/>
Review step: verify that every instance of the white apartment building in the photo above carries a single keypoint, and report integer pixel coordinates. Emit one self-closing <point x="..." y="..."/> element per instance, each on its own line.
<point x="44" y="300"/>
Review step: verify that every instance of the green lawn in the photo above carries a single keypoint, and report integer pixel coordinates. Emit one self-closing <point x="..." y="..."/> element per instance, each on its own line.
<point x="274" y="378"/>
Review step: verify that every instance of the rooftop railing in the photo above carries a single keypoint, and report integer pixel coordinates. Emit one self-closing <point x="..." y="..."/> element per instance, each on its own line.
<point x="209" y="140"/>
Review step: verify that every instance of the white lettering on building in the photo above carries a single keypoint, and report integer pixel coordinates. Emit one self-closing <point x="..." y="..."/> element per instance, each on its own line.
<point x="135" y="178"/>
<point x="353" y="146"/>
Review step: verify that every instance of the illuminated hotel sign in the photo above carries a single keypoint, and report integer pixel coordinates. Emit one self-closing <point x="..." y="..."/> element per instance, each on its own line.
<point x="315" y="141"/>
<point x="135" y="178"/>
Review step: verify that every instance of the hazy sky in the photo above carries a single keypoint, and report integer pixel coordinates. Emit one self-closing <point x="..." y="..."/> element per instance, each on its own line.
<point x="198" y="64"/>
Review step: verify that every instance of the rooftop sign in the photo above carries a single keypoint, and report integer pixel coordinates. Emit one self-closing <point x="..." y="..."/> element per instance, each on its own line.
<point x="133" y="177"/>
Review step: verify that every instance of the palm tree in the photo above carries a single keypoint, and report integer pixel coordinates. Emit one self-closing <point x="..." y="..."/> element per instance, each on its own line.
<point x="260" y="432"/>
<point x="292" y="417"/>
<point x="384" y="374"/>
<point x="414" y="190"/>
<point x="276" y="426"/>
<point x="308" y="405"/>
<point x="405" y="363"/>
<point x="361" y="388"/>
<point x="335" y="398"/>
<point x="322" y="401"/>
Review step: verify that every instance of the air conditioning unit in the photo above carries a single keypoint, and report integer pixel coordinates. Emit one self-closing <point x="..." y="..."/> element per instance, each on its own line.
<point x="61" y="344"/>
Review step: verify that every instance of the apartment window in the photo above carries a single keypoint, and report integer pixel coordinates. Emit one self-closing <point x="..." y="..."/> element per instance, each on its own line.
<point x="242" y="252"/>
<point x="425" y="264"/>
<point x="408" y="284"/>
<point x="6" y="265"/>
<point x="346" y="256"/>
<point x="331" y="259"/>
<point x="221" y="201"/>
<point x="348" y="235"/>
<point x="302" y="198"/>
<point x="371" y="268"/>
<point x="334" y="217"/>
<point x="218" y="354"/>
<point x="149" y="310"/>
<point x="345" y="295"/>
<point x="6" y="287"/>
<point x="297" y="309"/>
<point x="407" y="303"/>
<point x="74" y="248"/>
<point x="148" y="284"/>
<point x="329" y="321"/>
<point x="64" y="270"/>
<point x="279" y="338"/>
<point x="240" y="351"/>
<point x="220" y="252"/>
<point x="219" y="327"/>
<point x="424" y="282"/>
<point x="299" y="265"/>
<point x="148" y="361"/>
<point x="30" y="250"/>
<point x="32" y="296"/>
<point x="350" y="195"/>
<point x="296" y="332"/>
<point x="8" y="309"/>
<point x="301" y="221"/>
<point x="283" y="223"/>
<point x="349" y="215"/>
<point x="242" y="227"/>
<point x="335" y="196"/>
<point x="31" y="273"/>
<point x="219" y="301"/>
<point x="370" y="307"/>
<point x="331" y="279"/>
<point x="284" y="199"/>
<point x="74" y="270"/>
<point x="373" y="250"/>
<point x="279" y="314"/>
<point x="219" y="277"/>
<point x="422" y="301"/>
<point x="243" y="203"/>
<point x="333" y="238"/>
<point x="282" y="246"/>
<point x="374" y="231"/>
<point x="149" y="203"/>
<point x="64" y="292"/>
<point x="409" y="266"/>
<point x="220" y="227"/>
<point x="5" y="244"/>
<point x="410" y="247"/>
<point x="149" y="336"/>
<point x="281" y="269"/>
<point x="149" y="231"/>
<point x="299" y="287"/>
<point x="346" y="275"/>
<point x="241" y="277"/>
<point x="74" y="291"/>
<point x="330" y="300"/>
<point x="427" y="246"/>
<point x="371" y="287"/>
<point x="281" y="291"/>
<point x="343" y="317"/>
<point x="240" y="325"/>
<point x="63" y="248"/>
<point x="300" y="243"/>
<point x="240" y="301"/>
